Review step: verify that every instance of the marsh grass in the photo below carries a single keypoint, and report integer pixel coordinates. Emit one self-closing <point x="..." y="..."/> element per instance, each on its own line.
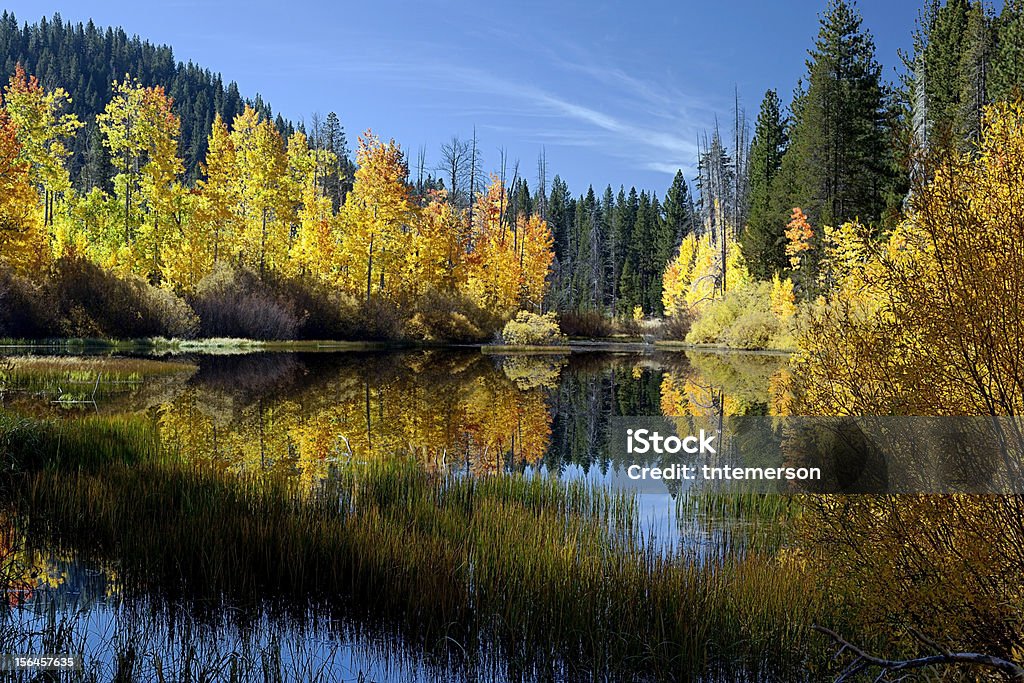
<point x="86" y="376"/>
<point x="28" y="444"/>
<point x="739" y="521"/>
<point x="542" y="575"/>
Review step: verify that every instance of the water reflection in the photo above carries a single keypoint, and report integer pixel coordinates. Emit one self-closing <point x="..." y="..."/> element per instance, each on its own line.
<point x="305" y="413"/>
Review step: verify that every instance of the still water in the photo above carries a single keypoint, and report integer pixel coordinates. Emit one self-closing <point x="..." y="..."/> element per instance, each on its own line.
<point x="306" y="416"/>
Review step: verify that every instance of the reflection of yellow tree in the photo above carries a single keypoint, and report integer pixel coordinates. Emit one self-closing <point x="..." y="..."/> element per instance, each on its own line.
<point x="689" y="396"/>
<point x="480" y="421"/>
<point x="25" y="570"/>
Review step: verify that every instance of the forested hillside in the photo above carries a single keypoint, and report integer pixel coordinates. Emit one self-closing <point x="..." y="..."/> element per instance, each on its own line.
<point x="85" y="59"/>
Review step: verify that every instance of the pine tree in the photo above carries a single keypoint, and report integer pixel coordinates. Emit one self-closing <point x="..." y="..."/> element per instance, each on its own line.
<point x="974" y="70"/>
<point x="1007" y="73"/>
<point x="626" y="207"/>
<point x="337" y="181"/>
<point x="678" y="216"/>
<point x="945" y="34"/>
<point x="608" y="249"/>
<point x="560" y="220"/>
<point x="838" y="165"/>
<point x="761" y="240"/>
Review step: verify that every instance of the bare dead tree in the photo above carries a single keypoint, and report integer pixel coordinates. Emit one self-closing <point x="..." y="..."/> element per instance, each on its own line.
<point x="509" y="217"/>
<point x="455" y="165"/>
<point x="503" y="155"/>
<point x="421" y="164"/>
<point x="862" y="661"/>
<point x="542" y="184"/>
<point x="474" y="172"/>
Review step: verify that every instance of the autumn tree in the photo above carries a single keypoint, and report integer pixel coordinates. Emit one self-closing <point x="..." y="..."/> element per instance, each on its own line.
<point x="219" y="192"/>
<point x="141" y="132"/>
<point x="261" y="189"/>
<point x="43" y="131"/>
<point x="313" y="249"/>
<point x="23" y="242"/>
<point x="375" y="221"/>
<point x="922" y="327"/>
<point x="436" y="257"/>
<point x="508" y="265"/>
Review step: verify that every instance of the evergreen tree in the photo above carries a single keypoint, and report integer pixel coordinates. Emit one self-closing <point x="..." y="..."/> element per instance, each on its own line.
<point x="338" y="181"/>
<point x="559" y="219"/>
<point x="85" y="59"/>
<point x="626" y="207"/>
<point x="560" y="222"/>
<point x="608" y="249"/>
<point x="585" y="278"/>
<point x="974" y="69"/>
<point x="1007" y="73"/>
<point x="661" y="249"/>
<point x="762" y="239"/>
<point x="678" y="216"/>
<point x="945" y="32"/>
<point x="635" y="285"/>
<point x="838" y="165"/>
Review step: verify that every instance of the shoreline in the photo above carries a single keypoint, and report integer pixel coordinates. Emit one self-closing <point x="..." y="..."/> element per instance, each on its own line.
<point x="236" y="346"/>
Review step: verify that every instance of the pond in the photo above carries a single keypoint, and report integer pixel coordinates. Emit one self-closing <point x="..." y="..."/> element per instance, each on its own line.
<point x="87" y="573"/>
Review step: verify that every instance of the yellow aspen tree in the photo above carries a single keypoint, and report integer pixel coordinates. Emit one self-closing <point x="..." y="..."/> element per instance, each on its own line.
<point x="187" y="258"/>
<point x="313" y="250"/>
<point x="535" y="257"/>
<point x="23" y="244"/>
<point x="163" y="196"/>
<point x="42" y="129"/>
<point x="219" y="193"/>
<point x="507" y="269"/>
<point x="376" y="219"/>
<point x="436" y="258"/>
<point x="261" y="166"/>
<point x="126" y="137"/>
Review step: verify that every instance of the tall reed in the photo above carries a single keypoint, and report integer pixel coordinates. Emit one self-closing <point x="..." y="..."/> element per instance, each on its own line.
<point x="542" y="575"/>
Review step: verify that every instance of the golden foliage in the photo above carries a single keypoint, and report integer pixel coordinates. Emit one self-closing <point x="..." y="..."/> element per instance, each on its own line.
<point x="925" y="323"/>
<point x="23" y="243"/>
<point x="798" y="238"/>
<point x="508" y="265"/>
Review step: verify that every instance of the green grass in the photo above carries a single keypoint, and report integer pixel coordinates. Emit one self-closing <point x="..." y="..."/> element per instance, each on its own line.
<point x="92" y="442"/>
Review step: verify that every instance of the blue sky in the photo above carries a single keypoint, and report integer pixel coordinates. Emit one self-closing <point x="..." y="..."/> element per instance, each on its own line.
<point x="614" y="92"/>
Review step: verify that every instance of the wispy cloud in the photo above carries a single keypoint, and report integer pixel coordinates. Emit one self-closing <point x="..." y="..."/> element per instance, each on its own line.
<point x="645" y="125"/>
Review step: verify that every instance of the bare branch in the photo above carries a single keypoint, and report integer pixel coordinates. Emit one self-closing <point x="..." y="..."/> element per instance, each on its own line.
<point x="863" y="660"/>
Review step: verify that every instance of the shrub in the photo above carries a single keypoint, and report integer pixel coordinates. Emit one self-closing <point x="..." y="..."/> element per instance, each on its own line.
<point x="89" y="301"/>
<point x="437" y="316"/>
<point x="752" y="330"/>
<point x="676" y="327"/>
<point x="585" y="324"/>
<point x="374" y="320"/>
<point x="24" y="312"/>
<point x="236" y="303"/>
<point x="532" y="329"/>
<point x="629" y="326"/>
<point x="743" y="318"/>
<point x="322" y="313"/>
